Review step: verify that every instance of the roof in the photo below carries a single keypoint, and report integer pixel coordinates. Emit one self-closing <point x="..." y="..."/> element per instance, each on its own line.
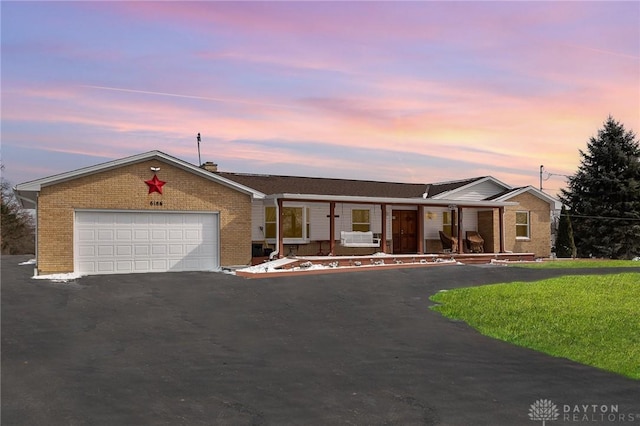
<point x="310" y="188"/>
<point x="27" y="192"/>
<point x="261" y="186"/>
<point x="434" y="189"/>
<point x="507" y="195"/>
<point x="274" y="184"/>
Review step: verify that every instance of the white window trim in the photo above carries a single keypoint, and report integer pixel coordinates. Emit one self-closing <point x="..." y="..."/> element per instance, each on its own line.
<point x="264" y="224"/>
<point x="528" y="237"/>
<point x="305" y="220"/>
<point x="361" y="223"/>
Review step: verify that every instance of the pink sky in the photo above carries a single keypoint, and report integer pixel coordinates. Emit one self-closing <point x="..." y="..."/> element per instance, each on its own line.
<point x="416" y="92"/>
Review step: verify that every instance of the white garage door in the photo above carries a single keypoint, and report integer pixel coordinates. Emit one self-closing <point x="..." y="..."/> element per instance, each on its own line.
<point x="126" y="242"/>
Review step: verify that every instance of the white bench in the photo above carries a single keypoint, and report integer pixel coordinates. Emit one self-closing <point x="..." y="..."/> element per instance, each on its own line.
<point x="358" y="239"/>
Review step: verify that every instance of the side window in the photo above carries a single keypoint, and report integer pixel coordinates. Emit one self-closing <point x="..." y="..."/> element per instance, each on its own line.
<point x="446" y="223"/>
<point x="270" y="222"/>
<point x="360" y="220"/>
<point x="522" y="225"/>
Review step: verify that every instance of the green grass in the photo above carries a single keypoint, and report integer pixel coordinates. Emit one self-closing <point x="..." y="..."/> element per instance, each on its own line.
<point x="582" y="263"/>
<point x="594" y="320"/>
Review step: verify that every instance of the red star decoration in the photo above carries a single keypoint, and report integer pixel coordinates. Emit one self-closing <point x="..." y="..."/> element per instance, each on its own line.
<point x="155" y="184"/>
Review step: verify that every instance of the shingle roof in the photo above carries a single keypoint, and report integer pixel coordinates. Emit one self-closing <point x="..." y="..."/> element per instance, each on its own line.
<point x="438" y="188"/>
<point x="274" y="184"/>
<point x="503" y="193"/>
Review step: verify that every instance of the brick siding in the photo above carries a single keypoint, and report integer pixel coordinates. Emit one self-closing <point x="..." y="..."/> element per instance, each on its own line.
<point x="539" y="242"/>
<point x="123" y="188"/>
<point x="489" y="229"/>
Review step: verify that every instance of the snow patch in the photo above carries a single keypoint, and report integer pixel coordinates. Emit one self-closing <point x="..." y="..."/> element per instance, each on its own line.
<point x="309" y="264"/>
<point x="28" y="262"/>
<point x="271" y="266"/>
<point x="58" y="278"/>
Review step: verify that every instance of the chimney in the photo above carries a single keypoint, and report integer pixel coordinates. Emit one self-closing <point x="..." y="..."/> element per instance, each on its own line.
<point x="210" y="166"/>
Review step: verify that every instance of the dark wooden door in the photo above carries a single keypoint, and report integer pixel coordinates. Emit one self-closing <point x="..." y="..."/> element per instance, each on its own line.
<point x="404" y="227"/>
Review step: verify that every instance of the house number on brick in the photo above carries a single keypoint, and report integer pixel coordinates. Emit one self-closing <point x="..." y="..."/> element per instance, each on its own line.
<point x="155" y="203"/>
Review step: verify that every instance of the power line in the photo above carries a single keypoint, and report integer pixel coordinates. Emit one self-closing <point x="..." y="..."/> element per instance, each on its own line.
<point x="548" y="176"/>
<point x="600" y="217"/>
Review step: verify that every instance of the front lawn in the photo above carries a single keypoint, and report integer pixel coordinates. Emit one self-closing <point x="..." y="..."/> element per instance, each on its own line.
<point x="581" y="263"/>
<point x="594" y="320"/>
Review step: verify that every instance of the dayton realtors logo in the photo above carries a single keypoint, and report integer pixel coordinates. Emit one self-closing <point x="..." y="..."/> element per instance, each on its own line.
<point x="545" y="410"/>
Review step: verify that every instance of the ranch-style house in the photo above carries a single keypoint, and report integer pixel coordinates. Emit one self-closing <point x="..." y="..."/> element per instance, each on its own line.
<point x="153" y="212"/>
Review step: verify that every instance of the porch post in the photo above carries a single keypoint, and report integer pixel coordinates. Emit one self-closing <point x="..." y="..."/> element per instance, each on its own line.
<point x="280" y="229"/>
<point x="501" y="226"/>
<point x="384" y="228"/>
<point x="332" y="228"/>
<point x="420" y="229"/>
<point x="460" y="240"/>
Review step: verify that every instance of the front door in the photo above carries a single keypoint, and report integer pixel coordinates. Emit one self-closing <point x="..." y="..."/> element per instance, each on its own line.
<point x="404" y="226"/>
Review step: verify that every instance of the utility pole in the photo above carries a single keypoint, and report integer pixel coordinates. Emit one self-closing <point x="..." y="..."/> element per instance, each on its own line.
<point x="541" y="169"/>
<point x="200" y="160"/>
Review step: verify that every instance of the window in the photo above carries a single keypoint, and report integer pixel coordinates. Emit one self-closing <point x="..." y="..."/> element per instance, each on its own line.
<point x="270" y="222"/>
<point x="360" y="220"/>
<point x="522" y="225"/>
<point x="293" y="222"/>
<point x="448" y="219"/>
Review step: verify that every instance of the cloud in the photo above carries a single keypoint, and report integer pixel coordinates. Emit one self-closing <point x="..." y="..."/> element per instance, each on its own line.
<point x="411" y="89"/>
<point x="184" y="96"/>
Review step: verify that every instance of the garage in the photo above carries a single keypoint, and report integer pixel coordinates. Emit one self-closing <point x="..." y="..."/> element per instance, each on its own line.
<point x="120" y="242"/>
<point x="150" y="212"/>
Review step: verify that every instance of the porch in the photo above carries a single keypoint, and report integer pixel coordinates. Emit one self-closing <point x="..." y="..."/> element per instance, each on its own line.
<point x="307" y="225"/>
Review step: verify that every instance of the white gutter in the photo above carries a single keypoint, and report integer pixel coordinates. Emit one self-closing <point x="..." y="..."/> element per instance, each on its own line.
<point x="24" y="200"/>
<point x="274" y="254"/>
<point x="35" y="271"/>
<point x="390" y="200"/>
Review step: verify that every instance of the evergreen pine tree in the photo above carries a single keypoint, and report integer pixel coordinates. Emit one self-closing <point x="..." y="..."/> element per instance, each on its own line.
<point x="604" y="195"/>
<point x="565" y="246"/>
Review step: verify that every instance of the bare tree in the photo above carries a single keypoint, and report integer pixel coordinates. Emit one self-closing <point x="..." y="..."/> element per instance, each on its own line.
<point x="17" y="224"/>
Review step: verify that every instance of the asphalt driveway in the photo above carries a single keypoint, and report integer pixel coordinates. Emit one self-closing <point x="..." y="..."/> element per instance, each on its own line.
<point x="200" y="348"/>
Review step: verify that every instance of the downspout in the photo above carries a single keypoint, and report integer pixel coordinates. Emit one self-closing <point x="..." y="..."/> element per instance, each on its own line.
<point x="274" y="254"/>
<point x="35" y="203"/>
<point x="501" y="226"/>
<point x="35" y="270"/>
